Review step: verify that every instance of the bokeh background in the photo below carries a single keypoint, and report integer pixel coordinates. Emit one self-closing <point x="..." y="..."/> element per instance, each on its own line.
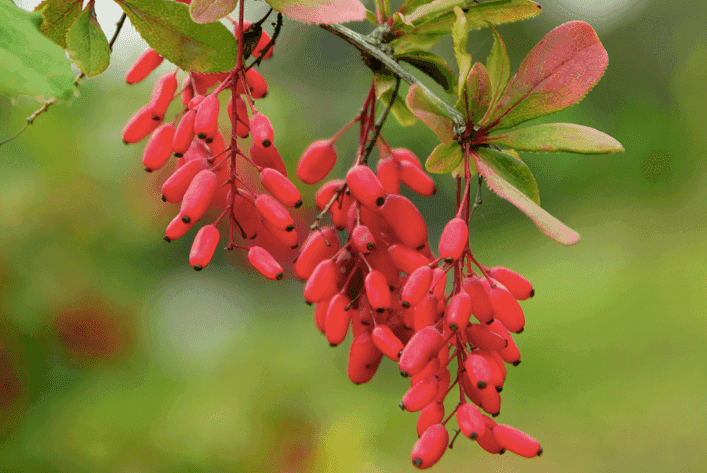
<point x="115" y="356"/>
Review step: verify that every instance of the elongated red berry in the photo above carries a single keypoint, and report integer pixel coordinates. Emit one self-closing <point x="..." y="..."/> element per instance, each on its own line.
<point x="516" y="441"/>
<point x="273" y="211"/>
<point x="158" y="148"/>
<point x="338" y="319"/>
<point x="514" y="282"/>
<point x="387" y="342"/>
<point x="184" y="134"/>
<point x="417" y="285"/>
<point x="245" y="215"/>
<point x="506" y="308"/>
<point x="204" y="247"/>
<point x="268" y="158"/>
<point x="498" y="370"/>
<point x="471" y="421"/>
<point x="416" y="179"/>
<point x="363" y="239"/>
<point x="430" y="447"/>
<point x="276" y="235"/>
<point x="402" y="155"/>
<point x="405" y="220"/>
<point x="481" y="307"/>
<point x="143" y="66"/>
<point x="280" y="187"/>
<point x="377" y="291"/>
<point x="420" y="395"/>
<point x="163" y="93"/>
<point x="326" y="192"/>
<point x="421" y="348"/>
<point x="425" y="312"/>
<point x="261" y="129"/>
<point x="510" y="354"/>
<point x="322" y="284"/>
<point x="243" y="122"/>
<point x="387" y="172"/>
<point x="479" y="370"/>
<point x="140" y="125"/>
<point x="487" y="441"/>
<point x="458" y="311"/>
<point x="320" y="245"/>
<point x="177" y="228"/>
<point x="432" y="414"/>
<point x="317" y="162"/>
<point x="199" y="196"/>
<point x="365" y="187"/>
<point x="479" y="336"/>
<point x="430" y="369"/>
<point x="257" y="84"/>
<point x="206" y="120"/>
<point x="454" y="239"/>
<point x="406" y="259"/>
<point x="439" y="283"/>
<point x="263" y="261"/>
<point x="174" y="188"/>
<point x="364" y="359"/>
<point x="320" y="315"/>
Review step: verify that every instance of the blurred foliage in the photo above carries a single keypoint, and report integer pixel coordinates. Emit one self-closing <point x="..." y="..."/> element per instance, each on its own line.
<point x="221" y="372"/>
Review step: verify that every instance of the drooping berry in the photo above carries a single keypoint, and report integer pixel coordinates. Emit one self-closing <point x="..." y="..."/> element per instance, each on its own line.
<point x="245" y="214"/>
<point x="405" y="219"/>
<point x="363" y="239"/>
<point x="280" y="187"/>
<point x="386" y="341"/>
<point x="140" y="125"/>
<point x="162" y="94"/>
<point x="416" y="179"/>
<point x="143" y="66"/>
<point x="432" y="414"/>
<point x="458" y="311"/>
<point x="199" y="196"/>
<point x="263" y="261"/>
<point x="273" y="211"/>
<point x="422" y="347"/>
<point x="519" y="286"/>
<point x="261" y="129"/>
<point x="516" y="441"/>
<point x="365" y="187"/>
<point x="268" y="158"/>
<point x="322" y="284"/>
<point x="454" y="239"/>
<point x="506" y="308"/>
<point x="430" y="447"/>
<point x="206" y="120"/>
<point x="364" y="359"/>
<point x="338" y="319"/>
<point x="320" y="245"/>
<point x="471" y="421"/>
<point x="377" y="291"/>
<point x="184" y="134"/>
<point x="204" y="247"/>
<point x="243" y="123"/>
<point x="317" y="162"/>
<point x="387" y="173"/>
<point x="158" y="148"/>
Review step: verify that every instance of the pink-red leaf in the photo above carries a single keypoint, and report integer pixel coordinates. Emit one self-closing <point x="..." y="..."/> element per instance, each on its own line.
<point x="320" y="11"/>
<point x="548" y="224"/>
<point x="557" y="137"/>
<point x="557" y="73"/>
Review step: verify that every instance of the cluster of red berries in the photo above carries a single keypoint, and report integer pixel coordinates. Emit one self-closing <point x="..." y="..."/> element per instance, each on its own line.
<point x="206" y="174"/>
<point x="387" y="285"/>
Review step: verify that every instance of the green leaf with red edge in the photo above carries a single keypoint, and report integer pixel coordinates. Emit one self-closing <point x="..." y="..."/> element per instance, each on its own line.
<point x="557" y="73"/>
<point x="208" y="11"/>
<point x="557" y="138"/>
<point x="444" y="158"/>
<point x="430" y="10"/>
<point x="508" y="165"/>
<point x="87" y="45"/>
<point x="548" y="224"/>
<point x="479" y="15"/>
<point x="434" y="66"/>
<point x="431" y="112"/>
<point x="384" y="92"/>
<point x="31" y="63"/>
<point x="320" y="11"/>
<point x="479" y="92"/>
<point x="169" y="30"/>
<point x="498" y="66"/>
<point x="57" y="18"/>
<point x="411" y="43"/>
<point x="460" y="38"/>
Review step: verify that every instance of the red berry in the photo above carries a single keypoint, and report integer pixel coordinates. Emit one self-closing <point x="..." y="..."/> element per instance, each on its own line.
<point x="404" y="155"/>
<point x="486" y="441"/>
<point x="506" y="308"/>
<point x="364" y="359"/>
<point x="163" y="93"/>
<point x="479" y="336"/>
<point x="158" y="148"/>
<point x="243" y="123"/>
<point x="263" y="261"/>
<point x="405" y="220"/>
<point x="280" y="187"/>
<point x="199" y="196"/>
<point x="417" y="285"/>
<point x="425" y="312"/>
<point x="326" y="193"/>
<point x="516" y="441"/>
<point x="514" y="282"/>
<point x="143" y="66"/>
<point x="245" y="215"/>
<point x="257" y="84"/>
<point x="471" y="421"/>
<point x="206" y="120"/>
<point x="177" y="228"/>
<point x="320" y="315"/>
<point x="363" y="239"/>
<point x="454" y="239"/>
<point x="276" y="235"/>
<point x="432" y="414"/>
<point x="377" y="291"/>
<point x="422" y="347"/>
<point x="416" y="179"/>
<point x="430" y="447"/>
<point x="140" y="125"/>
<point x="268" y="158"/>
<point x="420" y="395"/>
<point x="478" y="370"/>
<point x="510" y="354"/>
<point x="338" y="319"/>
<point x="319" y="246"/>
<point x="184" y="134"/>
<point x="387" y="173"/>
<point x="406" y="259"/>
<point x="261" y="129"/>
<point x="481" y="307"/>
<point x="317" y="161"/>
<point x="365" y="187"/>
<point x="322" y="284"/>
<point x="387" y="342"/>
<point x="458" y="311"/>
<point x="273" y="211"/>
<point x="204" y="247"/>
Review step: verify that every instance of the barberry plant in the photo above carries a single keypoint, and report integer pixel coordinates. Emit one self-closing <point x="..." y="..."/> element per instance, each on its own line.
<point x="446" y="318"/>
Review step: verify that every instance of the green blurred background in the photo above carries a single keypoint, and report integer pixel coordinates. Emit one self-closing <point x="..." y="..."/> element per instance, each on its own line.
<point x="222" y="372"/>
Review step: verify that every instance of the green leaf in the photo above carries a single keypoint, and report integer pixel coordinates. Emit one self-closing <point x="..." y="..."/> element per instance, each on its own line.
<point x="478" y="15"/>
<point x="429" y="11"/>
<point x="557" y="137"/>
<point x="434" y="66"/>
<point x="57" y="18"/>
<point x="479" y="91"/>
<point x="460" y="38"/>
<point x="87" y="45"/>
<point x="383" y="83"/>
<point x="320" y="11"/>
<point x="431" y="113"/>
<point x="400" y="110"/>
<point x="208" y="11"/>
<point x="498" y="66"/>
<point x="509" y="166"/>
<point x="31" y="63"/>
<point x="371" y="17"/>
<point x="412" y="43"/>
<point x="169" y="30"/>
<point x="548" y="224"/>
<point x="444" y="158"/>
<point x="383" y="6"/>
<point x="557" y="73"/>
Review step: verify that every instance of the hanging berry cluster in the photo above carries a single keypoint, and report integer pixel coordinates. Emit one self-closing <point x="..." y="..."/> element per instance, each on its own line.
<point x="206" y="173"/>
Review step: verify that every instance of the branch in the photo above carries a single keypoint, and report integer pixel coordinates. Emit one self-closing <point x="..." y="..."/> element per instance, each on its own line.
<point x="367" y="47"/>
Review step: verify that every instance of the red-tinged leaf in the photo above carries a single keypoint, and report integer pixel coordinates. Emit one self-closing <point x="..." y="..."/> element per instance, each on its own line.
<point x="558" y="137"/>
<point x="444" y="158"/>
<point x="208" y="11"/>
<point x="320" y="11"/>
<point x="432" y="9"/>
<point x="509" y="166"/>
<point x="431" y="112"/>
<point x="498" y="66"/>
<point x="557" y="73"/>
<point x="548" y="224"/>
<point x="479" y="91"/>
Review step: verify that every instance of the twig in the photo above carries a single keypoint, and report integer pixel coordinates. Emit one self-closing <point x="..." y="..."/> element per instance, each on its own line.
<point x="379" y="124"/>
